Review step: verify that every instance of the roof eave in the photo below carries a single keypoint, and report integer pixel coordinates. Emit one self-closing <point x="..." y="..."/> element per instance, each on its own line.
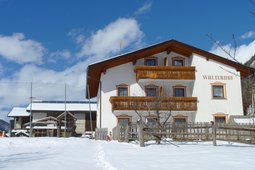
<point x="96" y="69"/>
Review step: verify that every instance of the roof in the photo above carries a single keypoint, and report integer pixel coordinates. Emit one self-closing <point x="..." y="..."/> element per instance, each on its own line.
<point x="18" y="111"/>
<point x="60" y="106"/>
<point x="94" y="70"/>
<point x="250" y="120"/>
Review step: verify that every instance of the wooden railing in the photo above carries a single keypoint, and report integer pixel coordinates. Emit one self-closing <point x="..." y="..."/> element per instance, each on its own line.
<point x="154" y="103"/>
<point x="192" y="131"/>
<point x="125" y="133"/>
<point x="165" y="72"/>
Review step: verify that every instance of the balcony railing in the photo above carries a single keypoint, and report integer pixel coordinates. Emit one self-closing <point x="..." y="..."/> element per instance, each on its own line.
<point x="165" y="72"/>
<point x="154" y="103"/>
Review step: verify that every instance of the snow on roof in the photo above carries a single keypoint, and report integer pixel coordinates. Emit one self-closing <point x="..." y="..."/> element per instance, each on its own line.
<point x="116" y="56"/>
<point x="244" y="120"/>
<point x="44" y="127"/>
<point x="18" y="111"/>
<point x="60" y="106"/>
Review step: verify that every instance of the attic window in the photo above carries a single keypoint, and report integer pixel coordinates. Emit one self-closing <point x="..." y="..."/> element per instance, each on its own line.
<point x="178" y="61"/>
<point x="150" y="61"/>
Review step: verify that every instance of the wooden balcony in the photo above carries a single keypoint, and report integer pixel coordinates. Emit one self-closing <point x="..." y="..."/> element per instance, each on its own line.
<point x="165" y="72"/>
<point x="154" y="103"/>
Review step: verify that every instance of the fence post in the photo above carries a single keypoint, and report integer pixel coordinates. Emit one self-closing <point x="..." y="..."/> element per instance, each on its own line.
<point x="214" y="134"/>
<point x="127" y="134"/>
<point x="140" y="132"/>
<point x="116" y="132"/>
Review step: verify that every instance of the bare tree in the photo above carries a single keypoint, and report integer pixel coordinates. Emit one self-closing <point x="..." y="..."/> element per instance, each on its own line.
<point x="155" y="113"/>
<point x="231" y="55"/>
<point x="248" y="82"/>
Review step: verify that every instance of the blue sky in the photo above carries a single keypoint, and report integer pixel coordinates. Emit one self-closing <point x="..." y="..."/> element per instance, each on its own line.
<point x="51" y="42"/>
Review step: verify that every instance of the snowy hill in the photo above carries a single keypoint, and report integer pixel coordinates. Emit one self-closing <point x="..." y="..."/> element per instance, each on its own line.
<point x="82" y="153"/>
<point x="251" y="62"/>
<point x="4" y="126"/>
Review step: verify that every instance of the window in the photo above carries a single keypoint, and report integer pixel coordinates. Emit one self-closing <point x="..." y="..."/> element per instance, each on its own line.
<point x="150" y="61"/>
<point x="180" y="120"/>
<point x="122" y="90"/>
<point x="218" y="91"/>
<point x="178" y="61"/>
<point x="179" y="91"/>
<point x="151" y="91"/>
<point x="123" y="121"/>
<point x="220" y="118"/>
<point x="151" y="122"/>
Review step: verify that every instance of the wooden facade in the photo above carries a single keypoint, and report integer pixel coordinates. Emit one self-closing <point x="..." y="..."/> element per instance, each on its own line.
<point x="165" y="72"/>
<point x="154" y="103"/>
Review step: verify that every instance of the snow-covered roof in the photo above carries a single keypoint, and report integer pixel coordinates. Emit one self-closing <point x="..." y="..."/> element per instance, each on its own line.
<point x="44" y="127"/>
<point x="18" y="111"/>
<point x="60" y="106"/>
<point x="244" y="120"/>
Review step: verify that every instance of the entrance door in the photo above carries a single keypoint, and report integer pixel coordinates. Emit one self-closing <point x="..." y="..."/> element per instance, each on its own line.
<point x="179" y="127"/>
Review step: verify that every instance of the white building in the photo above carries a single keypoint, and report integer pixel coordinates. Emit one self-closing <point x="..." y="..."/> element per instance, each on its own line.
<point x="195" y="85"/>
<point x="46" y="115"/>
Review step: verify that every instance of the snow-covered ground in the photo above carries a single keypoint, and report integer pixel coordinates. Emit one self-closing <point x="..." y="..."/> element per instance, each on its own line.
<point x="83" y="153"/>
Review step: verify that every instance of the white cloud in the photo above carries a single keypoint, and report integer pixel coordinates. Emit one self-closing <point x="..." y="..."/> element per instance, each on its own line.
<point x="243" y="52"/>
<point x="76" y="35"/>
<point x="247" y="35"/>
<point x="1" y="69"/>
<point x="120" y="34"/>
<point x="21" y="50"/>
<point x="145" y="8"/>
<point x="59" y="54"/>
<point x="48" y="84"/>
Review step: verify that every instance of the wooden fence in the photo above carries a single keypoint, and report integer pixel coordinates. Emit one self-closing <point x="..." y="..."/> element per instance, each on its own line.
<point x="101" y="133"/>
<point x="125" y="133"/>
<point x="188" y="132"/>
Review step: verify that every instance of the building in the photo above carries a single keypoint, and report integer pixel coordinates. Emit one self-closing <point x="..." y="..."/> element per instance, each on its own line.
<point x="54" y="118"/>
<point x="195" y="85"/>
<point x="20" y="117"/>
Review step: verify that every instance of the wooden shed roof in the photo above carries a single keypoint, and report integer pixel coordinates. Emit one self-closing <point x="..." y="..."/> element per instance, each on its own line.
<point x="94" y="70"/>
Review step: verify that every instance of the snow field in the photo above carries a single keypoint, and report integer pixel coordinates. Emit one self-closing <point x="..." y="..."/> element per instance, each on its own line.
<point x="82" y="153"/>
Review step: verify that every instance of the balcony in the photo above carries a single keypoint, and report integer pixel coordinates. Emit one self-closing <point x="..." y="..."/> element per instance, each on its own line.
<point x="165" y="72"/>
<point x="154" y="103"/>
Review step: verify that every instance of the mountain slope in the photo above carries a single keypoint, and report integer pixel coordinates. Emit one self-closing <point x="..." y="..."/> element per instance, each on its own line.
<point x="4" y="126"/>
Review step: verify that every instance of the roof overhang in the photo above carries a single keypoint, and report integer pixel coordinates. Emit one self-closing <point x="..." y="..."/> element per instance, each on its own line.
<point x="95" y="70"/>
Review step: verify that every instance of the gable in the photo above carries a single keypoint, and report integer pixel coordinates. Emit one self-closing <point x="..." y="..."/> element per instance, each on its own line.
<point x="94" y="70"/>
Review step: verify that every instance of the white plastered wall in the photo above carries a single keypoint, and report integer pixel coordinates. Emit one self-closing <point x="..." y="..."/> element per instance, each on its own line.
<point x="122" y="74"/>
<point x="207" y="106"/>
<point x="200" y="88"/>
